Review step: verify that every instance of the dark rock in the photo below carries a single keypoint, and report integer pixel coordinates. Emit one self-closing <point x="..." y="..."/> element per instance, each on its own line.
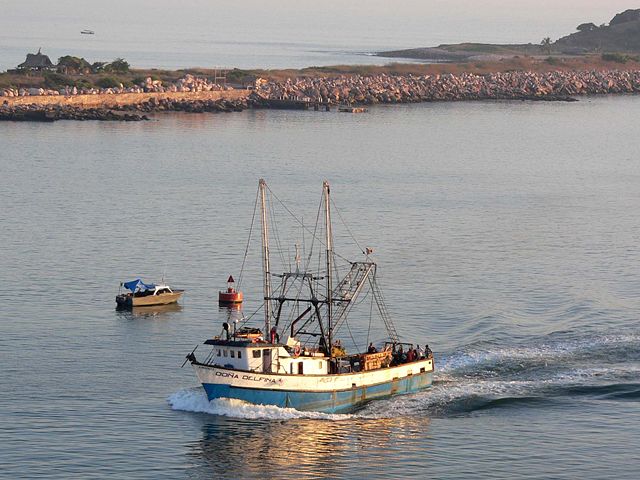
<point x="626" y="16"/>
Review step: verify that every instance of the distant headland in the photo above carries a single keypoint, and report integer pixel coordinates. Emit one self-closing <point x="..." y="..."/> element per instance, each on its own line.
<point x="588" y="62"/>
<point x="620" y="37"/>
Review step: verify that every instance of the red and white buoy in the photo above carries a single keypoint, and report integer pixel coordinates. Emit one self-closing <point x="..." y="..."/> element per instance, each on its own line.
<point x="230" y="296"/>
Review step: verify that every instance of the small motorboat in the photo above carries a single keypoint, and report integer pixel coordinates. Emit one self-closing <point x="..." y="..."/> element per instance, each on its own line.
<point x="87" y="32"/>
<point x="231" y="296"/>
<point x="141" y="294"/>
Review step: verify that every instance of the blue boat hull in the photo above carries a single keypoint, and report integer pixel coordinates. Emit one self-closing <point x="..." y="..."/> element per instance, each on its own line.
<point x="342" y="401"/>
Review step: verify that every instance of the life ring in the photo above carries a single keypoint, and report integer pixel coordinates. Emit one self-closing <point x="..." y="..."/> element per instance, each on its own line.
<point x="296" y="351"/>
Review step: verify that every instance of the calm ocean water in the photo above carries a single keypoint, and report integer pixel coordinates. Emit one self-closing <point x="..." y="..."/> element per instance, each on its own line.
<point x="508" y="237"/>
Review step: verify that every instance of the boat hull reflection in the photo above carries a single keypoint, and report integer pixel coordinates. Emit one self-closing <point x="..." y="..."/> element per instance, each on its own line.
<point x="150" y="311"/>
<point x="314" y="448"/>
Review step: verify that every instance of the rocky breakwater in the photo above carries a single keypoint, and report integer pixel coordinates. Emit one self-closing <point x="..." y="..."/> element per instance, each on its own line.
<point x="156" y="104"/>
<point x="51" y="113"/>
<point x="188" y="94"/>
<point x="382" y="88"/>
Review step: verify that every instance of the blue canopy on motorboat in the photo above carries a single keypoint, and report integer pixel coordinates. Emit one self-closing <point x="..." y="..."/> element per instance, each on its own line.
<point x="138" y="285"/>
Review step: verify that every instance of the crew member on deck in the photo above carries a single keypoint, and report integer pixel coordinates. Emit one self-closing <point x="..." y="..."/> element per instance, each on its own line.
<point x="411" y="354"/>
<point x="371" y="348"/>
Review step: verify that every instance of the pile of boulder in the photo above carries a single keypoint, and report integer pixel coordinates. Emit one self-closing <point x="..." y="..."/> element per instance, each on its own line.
<point x="189" y="83"/>
<point x="155" y="104"/>
<point x="51" y="113"/>
<point x="129" y="112"/>
<point x="371" y="89"/>
<point x="24" y="92"/>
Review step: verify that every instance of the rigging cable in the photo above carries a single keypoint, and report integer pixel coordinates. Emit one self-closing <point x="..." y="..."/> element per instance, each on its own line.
<point x="246" y="250"/>
<point x="370" y="320"/>
<point x="347" y="227"/>
<point x="302" y="224"/>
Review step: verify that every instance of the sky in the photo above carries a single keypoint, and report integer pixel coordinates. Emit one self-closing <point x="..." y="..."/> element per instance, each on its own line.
<point x="144" y="27"/>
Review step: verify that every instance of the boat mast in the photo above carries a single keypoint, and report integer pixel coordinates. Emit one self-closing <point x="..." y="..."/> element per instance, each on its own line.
<point x="265" y="258"/>
<point x="327" y="219"/>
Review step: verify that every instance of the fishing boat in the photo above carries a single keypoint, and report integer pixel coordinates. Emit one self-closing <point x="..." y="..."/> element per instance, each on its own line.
<point x="141" y="294"/>
<point x="311" y="369"/>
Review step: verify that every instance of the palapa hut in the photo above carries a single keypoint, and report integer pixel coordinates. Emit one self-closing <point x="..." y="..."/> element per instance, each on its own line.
<point x="36" y="61"/>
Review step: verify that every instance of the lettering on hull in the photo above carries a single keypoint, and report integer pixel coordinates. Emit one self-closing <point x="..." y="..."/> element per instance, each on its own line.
<point x="260" y="379"/>
<point x="250" y="378"/>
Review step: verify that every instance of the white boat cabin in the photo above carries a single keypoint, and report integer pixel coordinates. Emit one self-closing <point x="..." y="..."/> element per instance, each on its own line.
<point x="263" y="357"/>
<point x="157" y="290"/>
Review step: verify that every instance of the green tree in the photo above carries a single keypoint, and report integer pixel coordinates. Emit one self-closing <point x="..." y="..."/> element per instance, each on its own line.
<point x="97" y="67"/>
<point x="546" y="44"/>
<point x="586" y="27"/>
<point x="119" y="65"/>
<point x="71" y="64"/>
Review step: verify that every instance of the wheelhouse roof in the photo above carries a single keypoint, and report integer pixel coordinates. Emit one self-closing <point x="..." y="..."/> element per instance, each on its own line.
<point x="241" y="343"/>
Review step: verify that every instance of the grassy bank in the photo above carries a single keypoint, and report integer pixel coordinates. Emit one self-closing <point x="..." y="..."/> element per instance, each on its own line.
<point x="523" y="63"/>
<point x="245" y="77"/>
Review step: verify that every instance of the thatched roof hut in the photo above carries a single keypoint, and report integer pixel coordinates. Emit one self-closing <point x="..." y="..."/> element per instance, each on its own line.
<point x="36" y="61"/>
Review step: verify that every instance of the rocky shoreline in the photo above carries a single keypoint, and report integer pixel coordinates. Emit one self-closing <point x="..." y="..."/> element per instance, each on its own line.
<point x="368" y="90"/>
<point x="134" y="112"/>
<point x="39" y="113"/>
<point x="190" y="106"/>
<point x="354" y="89"/>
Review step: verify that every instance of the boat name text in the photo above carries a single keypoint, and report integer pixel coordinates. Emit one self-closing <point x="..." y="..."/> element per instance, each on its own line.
<point x="251" y="378"/>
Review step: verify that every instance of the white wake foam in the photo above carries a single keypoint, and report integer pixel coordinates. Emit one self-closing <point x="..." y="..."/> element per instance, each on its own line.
<point x="450" y="390"/>
<point x="195" y="400"/>
<point x="542" y="351"/>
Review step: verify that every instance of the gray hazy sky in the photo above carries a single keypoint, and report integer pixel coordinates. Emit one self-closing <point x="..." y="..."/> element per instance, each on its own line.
<point x="399" y="20"/>
<point x="177" y="33"/>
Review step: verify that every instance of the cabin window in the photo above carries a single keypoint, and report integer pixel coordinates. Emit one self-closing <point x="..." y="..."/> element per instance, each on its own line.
<point x="267" y="353"/>
<point x="300" y="368"/>
<point x="224" y="352"/>
<point x="320" y="364"/>
<point x="256" y="353"/>
<point x="219" y="352"/>
<point x="233" y="354"/>
<point x="239" y="353"/>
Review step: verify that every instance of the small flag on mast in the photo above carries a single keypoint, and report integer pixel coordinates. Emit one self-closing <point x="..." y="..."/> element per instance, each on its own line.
<point x="369" y="250"/>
